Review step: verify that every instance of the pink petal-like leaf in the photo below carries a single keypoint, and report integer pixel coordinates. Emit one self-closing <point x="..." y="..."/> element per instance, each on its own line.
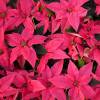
<point x="13" y="39"/>
<point x="14" y="54"/>
<point x="59" y="81"/>
<point x="36" y="85"/>
<point x="29" y="55"/>
<point x="57" y="67"/>
<point x="58" y="93"/>
<point x="74" y="20"/>
<point x="54" y="44"/>
<point x="72" y="69"/>
<point x="58" y="54"/>
<point x="37" y="39"/>
<point x="86" y="70"/>
<point x="87" y="91"/>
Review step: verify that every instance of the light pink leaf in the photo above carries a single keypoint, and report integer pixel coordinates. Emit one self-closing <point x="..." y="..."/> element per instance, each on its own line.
<point x="29" y="55"/>
<point x="82" y="12"/>
<point x="10" y="91"/>
<point x="26" y="34"/>
<point x="58" y="54"/>
<point x="36" y="85"/>
<point x="57" y="67"/>
<point x="46" y="25"/>
<point x="29" y="25"/>
<point x="58" y="93"/>
<point x="76" y="94"/>
<point x="42" y="63"/>
<point x="98" y="10"/>
<point x="26" y="6"/>
<point x="72" y="69"/>
<point x="6" y="81"/>
<point x="46" y="95"/>
<point x="59" y="81"/>
<point x="54" y="44"/>
<point x="74" y="20"/>
<point x="37" y="39"/>
<point x="13" y="39"/>
<point x="54" y="6"/>
<point x="47" y="72"/>
<point x="78" y="2"/>
<point x="86" y="70"/>
<point x="21" y="61"/>
<point x="87" y="91"/>
<point x="14" y="54"/>
<point x="3" y="5"/>
<point x="55" y="25"/>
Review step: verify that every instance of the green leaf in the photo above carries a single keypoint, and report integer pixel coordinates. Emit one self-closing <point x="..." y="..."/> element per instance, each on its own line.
<point x="94" y="82"/>
<point x="39" y="31"/>
<point x="70" y="30"/>
<point x="40" y="50"/>
<point x="80" y="62"/>
<point x="97" y="37"/>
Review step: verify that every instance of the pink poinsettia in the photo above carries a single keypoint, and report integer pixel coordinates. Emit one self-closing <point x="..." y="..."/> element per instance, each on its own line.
<point x="51" y="92"/>
<point x="43" y="14"/>
<point x="76" y="81"/>
<point x="92" y="53"/>
<point x="72" y="42"/>
<point x="32" y="88"/>
<point x="69" y="34"/>
<point x="88" y="32"/>
<point x="24" y="83"/>
<point x="65" y="37"/>
<point x="5" y="89"/>
<point x="54" y="51"/>
<point x="7" y="15"/>
<point x="97" y="96"/>
<point x="55" y="24"/>
<point x="72" y="10"/>
<point x="23" y="45"/>
<point x="26" y="9"/>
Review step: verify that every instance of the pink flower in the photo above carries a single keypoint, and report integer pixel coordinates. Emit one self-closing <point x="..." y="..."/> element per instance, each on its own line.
<point x="43" y="15"/>
<point x="54" y="51"/>
<point x="69" y="34"/>
<point x="26" y="9"/>
<point x="5" y="86"/>
<point x="88" y="32"/>
<point x="24" y="83"/>
<point x="72" y="10"/>
<point x="51" y="92"/>
<point x="23" y="45"/>
<point x="7" y="15"/>
<point x="76" y="81"/>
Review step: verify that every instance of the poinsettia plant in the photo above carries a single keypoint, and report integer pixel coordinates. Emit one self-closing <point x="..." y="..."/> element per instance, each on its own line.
<point x="49" y="49"/>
